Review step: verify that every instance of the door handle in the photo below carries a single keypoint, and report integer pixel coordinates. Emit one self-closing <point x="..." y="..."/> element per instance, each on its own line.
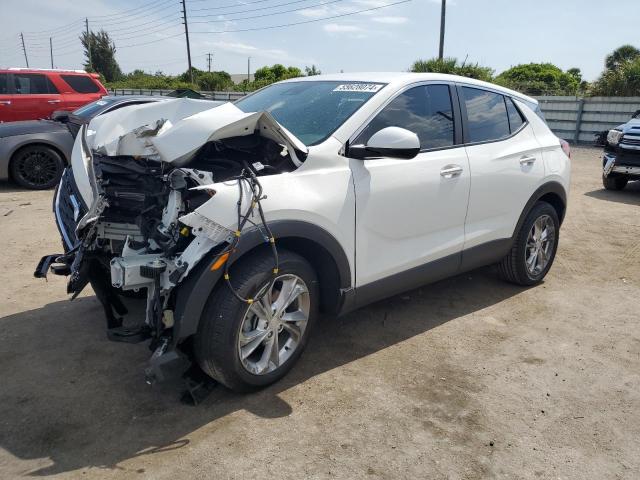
<point x="450" y="171"/>
<point x="53" y="101"/>
<point x="5" y="102"/>
<point x="527" y="160"/>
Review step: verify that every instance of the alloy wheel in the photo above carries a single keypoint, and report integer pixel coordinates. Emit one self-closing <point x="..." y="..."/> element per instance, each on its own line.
<point x="37" y="168"/>
<point x="273" y="325"/>
<point x="540" y="245"/>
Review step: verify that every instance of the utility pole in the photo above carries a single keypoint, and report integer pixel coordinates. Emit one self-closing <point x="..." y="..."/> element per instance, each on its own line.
<point x="86" y="23"/>
<point x="248" y="69"/>
<point x="186" y="33"/>
<point x="24" y="49"/>
<point x="51" y="50"/>
<point x="442" y="16"/>
<point x="209" y="62"/>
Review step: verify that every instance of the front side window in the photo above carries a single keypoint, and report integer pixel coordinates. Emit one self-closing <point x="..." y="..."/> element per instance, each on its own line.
<point x="81" y="83"/>
<point x="487" y="117"/>
<point x="33" y="84"/>
<point x="311" y="110"/>
<point x="425" y="110"/>
<point x="4" y="84"/>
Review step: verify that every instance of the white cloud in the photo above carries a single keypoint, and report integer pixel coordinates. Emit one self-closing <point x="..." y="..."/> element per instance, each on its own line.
<point x="391" y="20"/>
<point x="341" y="28"/>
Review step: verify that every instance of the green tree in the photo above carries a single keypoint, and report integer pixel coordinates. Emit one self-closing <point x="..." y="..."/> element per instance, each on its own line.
<point x="100" y="52"/>
<point x="621" y="81"/>
<point x="620" y="56"/>
<point x="541" y="79"/>
<point x="311" y="71"/>
<point x="267" y="75"/>
<point x="451" y="66"/>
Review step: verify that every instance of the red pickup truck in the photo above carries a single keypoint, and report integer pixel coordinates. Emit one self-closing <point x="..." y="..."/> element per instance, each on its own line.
<point x="31" y="94"/>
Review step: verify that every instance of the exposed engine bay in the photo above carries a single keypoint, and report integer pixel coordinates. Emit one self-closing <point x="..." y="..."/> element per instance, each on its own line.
<point x="141" y="233"/>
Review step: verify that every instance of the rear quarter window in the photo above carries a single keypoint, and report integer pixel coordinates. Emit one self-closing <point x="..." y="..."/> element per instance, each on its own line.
<point x="81" y="83"/>
<point x="4" y="84"/>
<point x="487" y="117"/>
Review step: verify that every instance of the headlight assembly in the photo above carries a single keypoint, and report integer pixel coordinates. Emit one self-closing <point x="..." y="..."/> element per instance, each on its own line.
<point x="613" y="137"/>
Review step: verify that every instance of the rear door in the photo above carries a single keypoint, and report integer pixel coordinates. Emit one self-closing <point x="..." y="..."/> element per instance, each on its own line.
<point x="6" y="112"/>
<point x="35" y="96"/>
<point x="410" y="213"/>
<point x="81" y="90"/>
<point x="505" y="161"/>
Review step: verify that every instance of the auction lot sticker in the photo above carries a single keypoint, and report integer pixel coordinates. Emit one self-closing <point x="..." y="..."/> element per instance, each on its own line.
<point x="358" y="87"/>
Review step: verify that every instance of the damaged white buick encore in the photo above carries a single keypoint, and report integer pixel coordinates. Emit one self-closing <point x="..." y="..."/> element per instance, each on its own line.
<point x="240" y="223"/>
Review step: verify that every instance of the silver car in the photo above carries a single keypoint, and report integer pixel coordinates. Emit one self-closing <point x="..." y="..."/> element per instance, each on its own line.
<point x="34" y="153"/>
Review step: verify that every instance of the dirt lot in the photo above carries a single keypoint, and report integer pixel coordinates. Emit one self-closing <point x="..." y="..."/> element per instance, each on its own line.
<point x="467" y="378"/>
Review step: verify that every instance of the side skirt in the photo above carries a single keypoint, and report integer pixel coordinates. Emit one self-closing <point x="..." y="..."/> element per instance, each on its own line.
<point x="451" y="265"/>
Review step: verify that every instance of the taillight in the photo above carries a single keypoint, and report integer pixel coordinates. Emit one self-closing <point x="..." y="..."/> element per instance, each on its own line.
<point x="566" y="148"/>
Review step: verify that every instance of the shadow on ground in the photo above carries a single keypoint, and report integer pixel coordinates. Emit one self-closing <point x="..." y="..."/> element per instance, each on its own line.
<point x="10" y="187"/>
<point x="629" y="196"/>
<point x="73" y="397"/>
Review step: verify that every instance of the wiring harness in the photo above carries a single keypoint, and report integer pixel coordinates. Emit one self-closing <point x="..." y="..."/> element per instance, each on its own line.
<point x="248" y="176"/>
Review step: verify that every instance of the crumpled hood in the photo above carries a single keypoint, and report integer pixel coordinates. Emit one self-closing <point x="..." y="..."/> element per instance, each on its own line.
<point x="29" y="127"/>
<point x="173" y="131"/>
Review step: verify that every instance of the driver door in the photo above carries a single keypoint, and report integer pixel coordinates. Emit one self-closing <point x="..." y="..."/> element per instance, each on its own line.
<point x="410" y="214"/>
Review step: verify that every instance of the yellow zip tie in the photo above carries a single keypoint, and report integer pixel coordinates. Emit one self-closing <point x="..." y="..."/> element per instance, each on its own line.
<point x="249" y="301"/>
<point x="272" y="240"/>
<point x="237" y="232"/>
<point x="226" y="276"/>
<point x="275" y="271"/>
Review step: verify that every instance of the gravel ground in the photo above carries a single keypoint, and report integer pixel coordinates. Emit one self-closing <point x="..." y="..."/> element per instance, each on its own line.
<point x="466" y="378"/>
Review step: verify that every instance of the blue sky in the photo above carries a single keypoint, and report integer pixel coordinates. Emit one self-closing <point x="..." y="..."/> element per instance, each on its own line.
<point x="500" y="33"/>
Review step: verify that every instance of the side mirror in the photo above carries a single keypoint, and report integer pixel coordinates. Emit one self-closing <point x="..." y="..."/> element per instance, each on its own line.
<point x="392" y="142"/>
<point x="60" y="116"/>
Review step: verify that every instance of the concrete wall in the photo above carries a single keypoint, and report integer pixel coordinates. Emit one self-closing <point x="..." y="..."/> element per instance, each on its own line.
<point x="577" y="119"/>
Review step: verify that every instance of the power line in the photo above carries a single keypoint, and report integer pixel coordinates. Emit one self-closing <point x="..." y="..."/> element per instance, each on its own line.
<point x="271" y="27"/>
<point x="270" y="14"/>
<point x="254" y="9"/>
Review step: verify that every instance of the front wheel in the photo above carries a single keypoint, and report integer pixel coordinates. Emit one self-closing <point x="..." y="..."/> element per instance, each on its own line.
<point x="248" y="346"/>
<point x="36" y="167"/>
<point x="614" y="182"/>
<point x="535" y="247"/>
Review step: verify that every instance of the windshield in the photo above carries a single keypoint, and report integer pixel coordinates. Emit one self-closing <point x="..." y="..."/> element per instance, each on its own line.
<point x="90" y="109"/>
<point x="311" y="110"/>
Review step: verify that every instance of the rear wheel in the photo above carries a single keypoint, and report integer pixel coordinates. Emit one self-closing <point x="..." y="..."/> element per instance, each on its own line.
<point x="535" y="247"/>
<point x="37" y="167"/>
<point x="248" y="346"/>
<point x="614" y="182"/>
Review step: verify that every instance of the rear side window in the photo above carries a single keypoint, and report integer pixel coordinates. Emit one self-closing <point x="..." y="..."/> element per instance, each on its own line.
<point x="515" y="117"/>
<point x="81" y="83"/>
<point x="4" y="84"/>
<point x="424" y="110"/>
<point x="486" y="115"/>
<point x="33" y="84"/>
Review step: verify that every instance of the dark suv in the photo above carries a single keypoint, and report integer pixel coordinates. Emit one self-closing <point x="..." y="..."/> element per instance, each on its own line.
<point x="621" y="159"/>
<point x="31" y="94"/>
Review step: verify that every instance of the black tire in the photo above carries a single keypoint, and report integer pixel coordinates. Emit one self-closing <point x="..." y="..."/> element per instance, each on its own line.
<point x="614" y="182"/>
<point x="513" y="267"/>
<point x="216" y="342"/>
<point x="37" y="167"/>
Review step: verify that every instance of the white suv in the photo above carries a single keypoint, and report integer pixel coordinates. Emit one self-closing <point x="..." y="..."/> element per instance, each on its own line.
<point x="239" y="223"/>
